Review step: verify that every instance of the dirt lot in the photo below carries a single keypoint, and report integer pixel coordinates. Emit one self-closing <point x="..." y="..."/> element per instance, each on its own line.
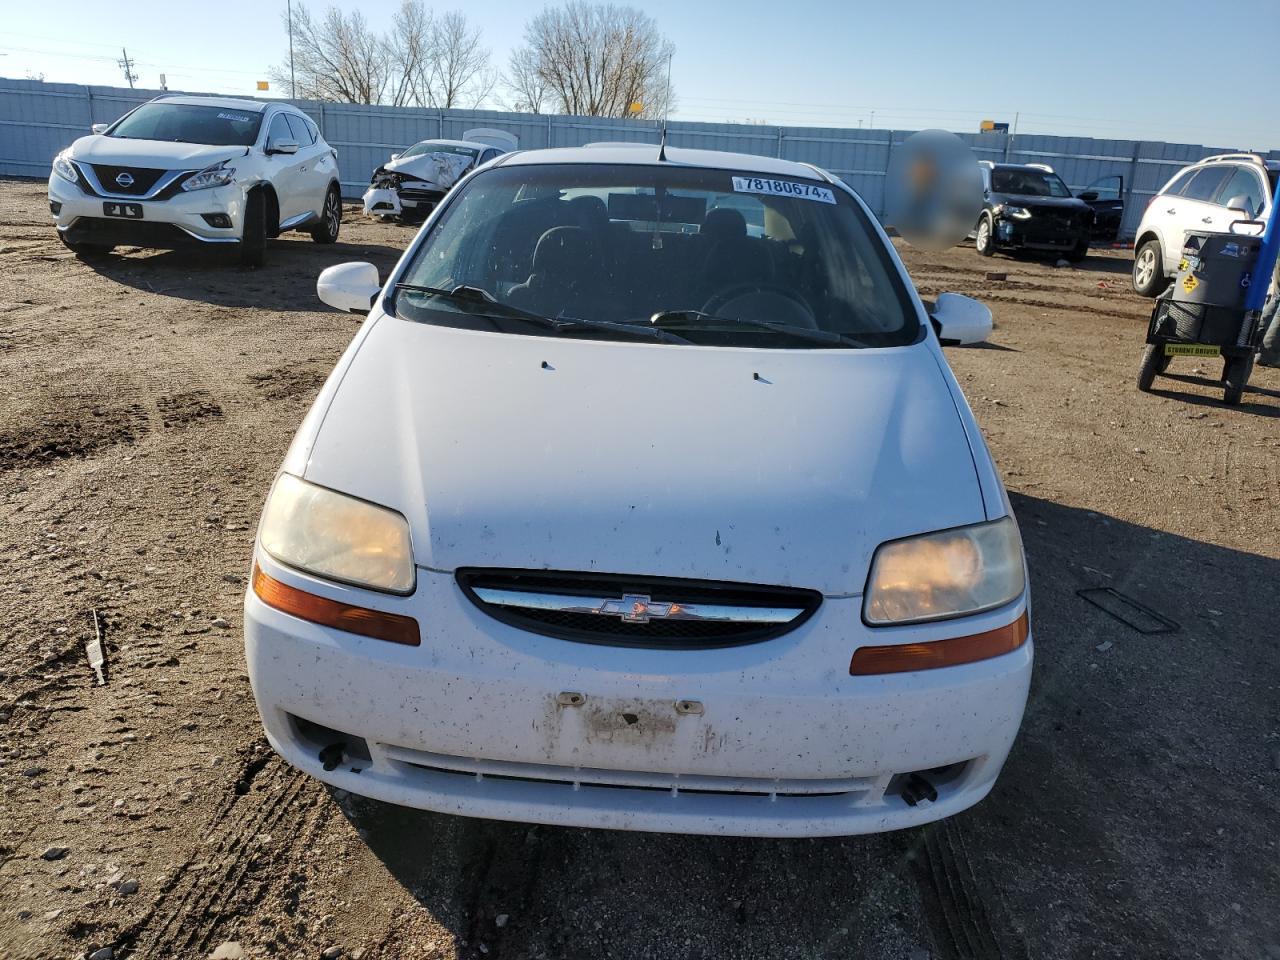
<point x="145" y="402"/>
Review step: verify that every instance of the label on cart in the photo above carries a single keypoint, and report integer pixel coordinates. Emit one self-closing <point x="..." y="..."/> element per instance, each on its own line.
<point x="1191" y="350"/>
<point x="1190" y="282"/>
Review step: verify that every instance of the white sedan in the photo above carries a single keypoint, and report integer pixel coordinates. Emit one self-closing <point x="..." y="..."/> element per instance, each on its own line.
<point x="644" y="498"/>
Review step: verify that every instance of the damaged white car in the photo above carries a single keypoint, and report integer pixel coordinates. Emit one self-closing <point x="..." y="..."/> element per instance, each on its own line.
<point x="409" y="185"/>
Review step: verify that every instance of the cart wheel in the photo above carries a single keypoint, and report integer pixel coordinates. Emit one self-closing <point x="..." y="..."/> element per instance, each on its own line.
<point x="1236" y="377"/>
<point x="1153" y="362"/>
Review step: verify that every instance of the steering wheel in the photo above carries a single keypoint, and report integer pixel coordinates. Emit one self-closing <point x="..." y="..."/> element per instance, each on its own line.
<point x="761" y="301"/>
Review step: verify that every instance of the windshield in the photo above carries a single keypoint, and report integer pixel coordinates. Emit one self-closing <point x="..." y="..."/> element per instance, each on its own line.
<point x="717" y="257"/>
<point x="435" y="146"/>
<point x="1028" y="182"/>
<point x="190" y="123"/>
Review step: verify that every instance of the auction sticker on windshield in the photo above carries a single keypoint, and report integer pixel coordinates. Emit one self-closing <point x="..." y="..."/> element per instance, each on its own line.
<point x="783" y="188"/>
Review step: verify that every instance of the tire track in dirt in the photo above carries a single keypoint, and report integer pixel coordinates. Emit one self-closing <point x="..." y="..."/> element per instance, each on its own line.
<point x="957" y="902"/>
<point x="201" y="901"/>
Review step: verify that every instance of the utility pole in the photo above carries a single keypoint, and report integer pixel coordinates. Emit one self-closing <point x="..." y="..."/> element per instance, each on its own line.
<point x="293" y="86"/>
<point x="127" y="66"/>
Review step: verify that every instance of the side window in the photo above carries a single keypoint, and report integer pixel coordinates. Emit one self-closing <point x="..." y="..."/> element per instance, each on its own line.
<point x="1243" y="183"/>
<point x="301" y="132"/>
<point x="487" y="156"/>
<point x="279" y="130"/>
<point x="1107" y="188"/>
<point x="1206" y="183"/>
<point x="1176" y="185"/>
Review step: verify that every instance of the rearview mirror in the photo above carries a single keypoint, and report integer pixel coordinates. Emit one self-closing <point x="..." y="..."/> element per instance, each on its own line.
<point x="100" y="127"/>
<point x="349" y="286"/>
<point x="1089" y="196"/>
<point x="283" y="146"/>
<point x="960" y="320"/>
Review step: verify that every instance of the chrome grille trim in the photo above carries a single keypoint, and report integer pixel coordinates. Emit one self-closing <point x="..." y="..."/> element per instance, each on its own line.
<point x="616" y="607"/>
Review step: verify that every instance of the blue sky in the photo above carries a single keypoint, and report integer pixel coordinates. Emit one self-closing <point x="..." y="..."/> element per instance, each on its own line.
<point x="1168" y="71"/>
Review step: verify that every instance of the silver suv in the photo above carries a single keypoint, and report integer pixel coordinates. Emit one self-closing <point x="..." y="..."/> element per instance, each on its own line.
<point x="1208" y="197"/>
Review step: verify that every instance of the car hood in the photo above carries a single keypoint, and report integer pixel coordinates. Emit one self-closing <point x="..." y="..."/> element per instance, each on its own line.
<point x="782" y="467"/>
<point x="442" y="169"/>
<point x="160" y="154"/>
<point x="1023" y="199"/>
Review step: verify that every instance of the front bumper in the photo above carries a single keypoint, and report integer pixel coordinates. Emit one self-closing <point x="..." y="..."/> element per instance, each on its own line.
<point x="175" y="222"/>
<point x="479" y="720"/>
<point x="1013" y="234"/>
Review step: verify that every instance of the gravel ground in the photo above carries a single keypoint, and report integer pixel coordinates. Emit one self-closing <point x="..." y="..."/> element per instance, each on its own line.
<point x="145" y="401"/>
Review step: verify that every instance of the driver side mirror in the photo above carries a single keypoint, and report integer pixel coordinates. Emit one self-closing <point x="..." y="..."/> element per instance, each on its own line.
<point x="349" y="286"/>
<point x="100" y="128"/>
<point x="282" y="146"/>
<point x="395" y="156"/>
<point x="960" y="320"/>
<point x="1088" y="196"/>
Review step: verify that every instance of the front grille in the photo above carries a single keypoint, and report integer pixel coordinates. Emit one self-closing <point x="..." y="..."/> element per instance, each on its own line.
<point x="1052" y="218"/>
<point x="144" y="178"/>
<point x="637" y="611"/>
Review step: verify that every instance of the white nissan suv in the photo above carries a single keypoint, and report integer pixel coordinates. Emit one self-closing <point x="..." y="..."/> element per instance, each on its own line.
<point x="194" y="171"/>
<point x="1206" y="197"/>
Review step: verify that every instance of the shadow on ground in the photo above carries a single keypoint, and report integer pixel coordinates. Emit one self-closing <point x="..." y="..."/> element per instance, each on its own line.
<point x="1133" y="818"/>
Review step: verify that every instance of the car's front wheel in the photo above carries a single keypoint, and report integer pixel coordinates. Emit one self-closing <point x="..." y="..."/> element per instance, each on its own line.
<point x="984" y="238"/>
<point x="86" y="250"/>
<point x="1080" y="252"/>
<point x="1148" y="270"/>
<point x="253" y="241"/>
<point x="330" y="218"/>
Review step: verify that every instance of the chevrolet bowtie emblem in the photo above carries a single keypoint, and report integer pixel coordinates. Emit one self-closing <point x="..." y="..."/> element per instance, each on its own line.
<point x="635" y="608"/>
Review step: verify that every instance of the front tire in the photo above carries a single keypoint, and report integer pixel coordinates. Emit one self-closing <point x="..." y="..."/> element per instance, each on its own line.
<point x="985" y="237"/>
<point x="330" y="218"/>
<point x="1154" y="362"/>
<point x="1080" y="252"/>
<point x="1237" y="375"/>
<point x="1148" y="270"/>
<point x="253" y="241"/>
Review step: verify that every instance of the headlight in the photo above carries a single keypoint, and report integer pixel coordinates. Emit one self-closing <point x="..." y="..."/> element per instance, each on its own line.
<point x="1018" y="213"/>
<point x="336" y="536"/>
<point x="64" y="168"/>
<point x="945" y="574"/>
<point x="217" y="175"/>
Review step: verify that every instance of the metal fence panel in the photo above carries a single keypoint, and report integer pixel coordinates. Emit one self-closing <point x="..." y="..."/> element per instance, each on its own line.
<point x="37" y="120"/>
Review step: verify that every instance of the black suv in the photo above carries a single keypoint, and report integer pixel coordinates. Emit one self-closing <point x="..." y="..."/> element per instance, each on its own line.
<point x="1028" y="207"/>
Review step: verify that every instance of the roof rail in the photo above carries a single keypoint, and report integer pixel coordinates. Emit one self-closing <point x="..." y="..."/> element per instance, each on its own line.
<point x="1041" y="166"/>
<point x="1250" y="157"/>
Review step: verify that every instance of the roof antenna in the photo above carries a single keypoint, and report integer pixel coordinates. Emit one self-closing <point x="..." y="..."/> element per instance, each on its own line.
<point x="666" y="108"/>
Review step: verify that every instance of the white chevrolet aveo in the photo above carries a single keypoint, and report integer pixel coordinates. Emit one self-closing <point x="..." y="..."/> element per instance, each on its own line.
<point x="644" y="498"/>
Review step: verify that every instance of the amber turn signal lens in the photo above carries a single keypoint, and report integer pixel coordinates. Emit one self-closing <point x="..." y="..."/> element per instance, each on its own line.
<point x="331" y="613"/>
<point x="903" y="657"/>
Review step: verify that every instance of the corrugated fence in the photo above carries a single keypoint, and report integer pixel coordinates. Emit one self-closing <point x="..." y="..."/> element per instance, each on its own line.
<point x="37" y="120"/>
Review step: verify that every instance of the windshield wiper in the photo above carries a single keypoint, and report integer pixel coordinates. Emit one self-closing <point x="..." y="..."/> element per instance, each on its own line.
<point x="482" y="302"/>
<point x="689" y="320"/>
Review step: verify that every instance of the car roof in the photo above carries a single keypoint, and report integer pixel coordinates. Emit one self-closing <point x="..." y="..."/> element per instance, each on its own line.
<point x="646" y="154"/>
<point x="230" y="103"/>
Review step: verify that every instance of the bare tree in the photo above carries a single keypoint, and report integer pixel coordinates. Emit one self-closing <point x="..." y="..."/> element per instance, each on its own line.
<point x="528" y="91"/>
<point x="459" y="74"/>
<point x="409" y="49"/>
<point x="597" y="60"/>
<point x="340" y="59"/>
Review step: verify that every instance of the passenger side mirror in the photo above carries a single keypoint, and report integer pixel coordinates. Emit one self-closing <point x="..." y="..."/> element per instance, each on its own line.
<point x="395" y="156"/>
<point x="100" y="127"/>
<point x="1089" y="196"/>
<point x="283" y="146"/>
<point x="960" y="320"/>
<point x="349" y="286"/>
<point x="1242" y="206"/>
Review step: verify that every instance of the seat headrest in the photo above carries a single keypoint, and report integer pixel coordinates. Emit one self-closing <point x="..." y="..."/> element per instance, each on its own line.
<point x="562" y="250"/>
<point x="724" y="223"/>
<point x="589" y="212"/>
